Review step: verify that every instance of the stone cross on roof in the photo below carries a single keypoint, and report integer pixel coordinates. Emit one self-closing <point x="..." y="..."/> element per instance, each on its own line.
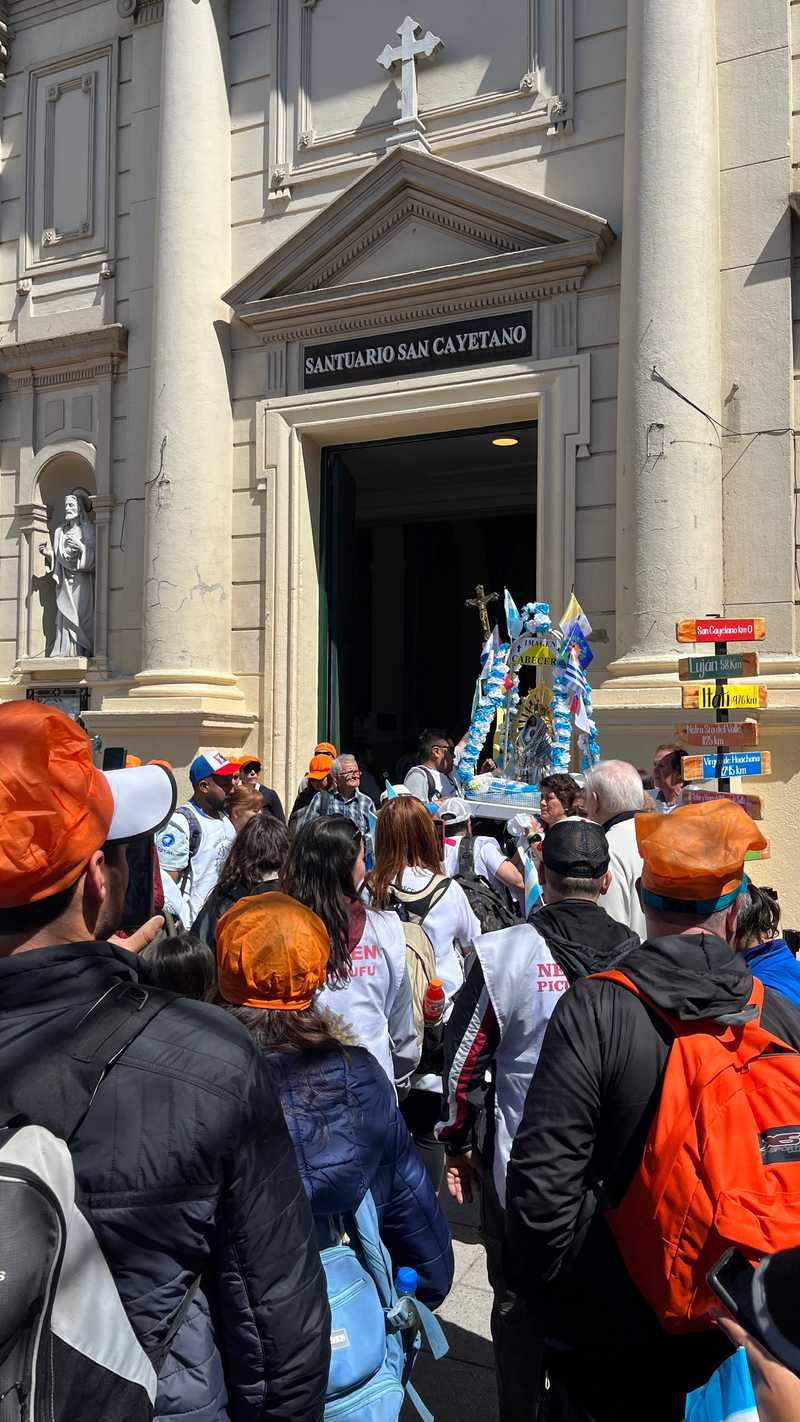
<point x="409" y="128"/>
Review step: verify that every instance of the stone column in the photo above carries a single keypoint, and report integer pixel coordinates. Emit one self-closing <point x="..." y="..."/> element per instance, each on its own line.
<point x="669" y="490"/>
<point x="186" y="639"/>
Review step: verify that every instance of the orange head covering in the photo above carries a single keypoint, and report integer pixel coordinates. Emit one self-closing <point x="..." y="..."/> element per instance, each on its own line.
<point x="325" y="748"/>
<point x="55" y="806"/>
<point x="694" y="857"/>
<point x="320" y="767"/>
<point x="165" y="763"/>
<point x="272" y="953"/>
<point x="131" y="760"/>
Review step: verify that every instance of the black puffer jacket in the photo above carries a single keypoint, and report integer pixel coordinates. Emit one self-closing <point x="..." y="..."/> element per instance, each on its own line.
<point x="187" y="1168"/>
<point x="586" y="1120"/>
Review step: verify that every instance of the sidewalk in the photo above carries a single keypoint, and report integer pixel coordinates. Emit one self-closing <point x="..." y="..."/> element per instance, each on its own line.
<point x="461" y="1387"/>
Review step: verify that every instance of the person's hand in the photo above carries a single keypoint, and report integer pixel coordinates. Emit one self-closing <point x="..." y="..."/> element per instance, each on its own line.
<point x="142" y="937"/>
<point x="777" y="1389"/>
<point x="464" y="1176"/>
<point x="488" y="767"/>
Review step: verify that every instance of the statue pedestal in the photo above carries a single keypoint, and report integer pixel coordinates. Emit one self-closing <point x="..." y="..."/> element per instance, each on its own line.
<point x="53" y="668"/>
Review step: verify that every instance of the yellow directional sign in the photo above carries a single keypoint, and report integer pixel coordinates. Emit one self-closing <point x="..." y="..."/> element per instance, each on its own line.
<point x="707" y="696"/>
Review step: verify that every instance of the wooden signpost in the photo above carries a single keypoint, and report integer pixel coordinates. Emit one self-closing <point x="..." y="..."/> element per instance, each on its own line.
<point x="704" y="668"/>
<point x="739" y="734"/>
<point x="716" y="696"/>
<point x="729" y="757"/>
<point x="721" y="630"/>
<point x="726" y="764"/>
<point x="751" y="803"/>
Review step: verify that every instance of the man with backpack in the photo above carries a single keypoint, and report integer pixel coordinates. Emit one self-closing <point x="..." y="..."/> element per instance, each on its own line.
<point x="431" y="778"/>
<point x="183" y="1167"/>
<point x="491" y="1047"/>
<point x="484" y="872"/>
<point x="651" y="1138"/>
<point x="211" y="832"/>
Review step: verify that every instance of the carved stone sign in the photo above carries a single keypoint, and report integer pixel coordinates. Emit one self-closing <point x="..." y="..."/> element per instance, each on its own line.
<point x="428" y="348"/>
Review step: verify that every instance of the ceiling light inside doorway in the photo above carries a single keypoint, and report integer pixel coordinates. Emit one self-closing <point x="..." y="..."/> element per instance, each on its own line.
<point x="504" y="442"/>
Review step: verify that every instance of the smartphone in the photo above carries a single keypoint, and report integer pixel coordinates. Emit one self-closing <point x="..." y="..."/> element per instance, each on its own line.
<point x="138" y="906"/>
<point x="114" y="758"/>
<point x="732" y="1281"/>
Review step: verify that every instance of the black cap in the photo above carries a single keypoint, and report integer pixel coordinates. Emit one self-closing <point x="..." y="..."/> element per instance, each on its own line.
<point x="576" y="849"/>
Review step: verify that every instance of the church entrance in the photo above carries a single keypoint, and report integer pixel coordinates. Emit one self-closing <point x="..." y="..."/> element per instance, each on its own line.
<point x="408" y="529"/>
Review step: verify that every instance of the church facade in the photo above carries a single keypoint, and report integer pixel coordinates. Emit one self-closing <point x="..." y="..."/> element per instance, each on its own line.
<point x="280" y="278"/>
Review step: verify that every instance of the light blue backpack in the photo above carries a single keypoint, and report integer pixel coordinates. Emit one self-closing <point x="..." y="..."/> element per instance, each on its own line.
<point x="375" y="1333"/>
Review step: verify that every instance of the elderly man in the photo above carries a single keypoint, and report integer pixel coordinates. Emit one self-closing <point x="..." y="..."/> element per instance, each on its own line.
<point x="344" y="798"/>
<point x="613" y="795"/>
<point x="586" y="1128"/>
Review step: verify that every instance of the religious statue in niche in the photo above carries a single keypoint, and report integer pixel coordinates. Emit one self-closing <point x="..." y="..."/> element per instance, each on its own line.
<point x="70" y="562"/>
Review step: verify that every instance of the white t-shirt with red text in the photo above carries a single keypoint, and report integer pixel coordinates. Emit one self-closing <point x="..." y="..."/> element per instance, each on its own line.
<point x="366" y="1002"/>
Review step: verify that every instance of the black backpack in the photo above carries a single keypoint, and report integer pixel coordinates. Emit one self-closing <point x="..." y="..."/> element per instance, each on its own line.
<point x="67" y="1350"/>
<point x="490" y="908"/>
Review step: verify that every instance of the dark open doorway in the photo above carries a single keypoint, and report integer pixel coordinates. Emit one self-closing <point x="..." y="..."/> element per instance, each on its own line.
<point x="408" y="529"/>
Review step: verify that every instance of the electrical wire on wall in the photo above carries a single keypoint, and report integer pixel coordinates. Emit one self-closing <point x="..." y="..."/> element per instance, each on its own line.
<point x="724" y="431"/>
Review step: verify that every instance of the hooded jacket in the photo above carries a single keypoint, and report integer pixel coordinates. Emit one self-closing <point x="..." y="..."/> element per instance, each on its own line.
<point x="586" y="1120"/>
<point x="583" y="938"/>
<point x="349" y="1137"/>
<point x="775" y="965"/>
<point x="186" y="1169"/>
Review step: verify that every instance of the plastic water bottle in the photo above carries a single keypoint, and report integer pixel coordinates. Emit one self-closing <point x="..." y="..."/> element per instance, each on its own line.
<point x="405" y="1282"/>
<point x="433" y="1005"/>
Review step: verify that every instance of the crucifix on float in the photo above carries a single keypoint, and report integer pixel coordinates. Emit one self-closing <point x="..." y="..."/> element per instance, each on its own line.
<point x="481" y="601"/>
<point x="409" y="126"/>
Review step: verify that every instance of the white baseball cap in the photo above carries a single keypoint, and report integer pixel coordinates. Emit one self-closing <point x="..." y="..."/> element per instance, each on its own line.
<point x="454" y="811"/>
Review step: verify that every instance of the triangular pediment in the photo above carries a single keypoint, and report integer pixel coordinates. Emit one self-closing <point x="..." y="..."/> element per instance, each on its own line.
<point x="414" y="212"/>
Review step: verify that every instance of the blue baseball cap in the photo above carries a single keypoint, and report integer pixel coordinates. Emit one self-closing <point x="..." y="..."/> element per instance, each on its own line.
<point x="203" y="767"/>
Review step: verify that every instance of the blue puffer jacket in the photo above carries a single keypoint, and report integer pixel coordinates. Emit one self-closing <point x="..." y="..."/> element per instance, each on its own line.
<point x="349" y="1137"/>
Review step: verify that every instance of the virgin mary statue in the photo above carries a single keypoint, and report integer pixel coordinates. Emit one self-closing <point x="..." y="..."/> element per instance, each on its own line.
<point x="72" y="566"/>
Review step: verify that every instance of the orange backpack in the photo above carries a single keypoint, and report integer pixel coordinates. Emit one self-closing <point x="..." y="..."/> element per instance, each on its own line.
<point x="721" y="1165"/>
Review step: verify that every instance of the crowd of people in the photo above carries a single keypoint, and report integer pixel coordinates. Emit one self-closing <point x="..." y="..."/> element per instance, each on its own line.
<point x="319" y="1024"/>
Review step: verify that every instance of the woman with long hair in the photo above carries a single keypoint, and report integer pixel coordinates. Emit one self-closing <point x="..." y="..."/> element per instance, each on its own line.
<point x="252" y="867"/>
<point x="366" y="980"/>
<point x="340" y="1108"/>
<point x="408" y="858"/>
<point x="408" y="873"/>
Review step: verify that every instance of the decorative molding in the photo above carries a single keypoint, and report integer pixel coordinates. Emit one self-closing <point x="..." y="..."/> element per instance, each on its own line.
<point x="276" y="368"/>
<point x="382" y="319"/>
<point x="299" y="145"/>
<point x="46" y="242"/>
<point x="84" y="84"/>
<point x="412" y="207"/>
<point x="511" y="221"/>
<point x="6" y="36"/>
<point x="64" y="360"/>
<point x="142" y="12"/>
